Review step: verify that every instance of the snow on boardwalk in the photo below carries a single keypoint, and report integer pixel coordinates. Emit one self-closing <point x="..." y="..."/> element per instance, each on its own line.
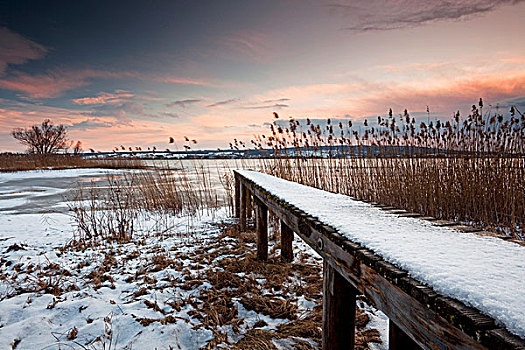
<point x="484" y="272"/>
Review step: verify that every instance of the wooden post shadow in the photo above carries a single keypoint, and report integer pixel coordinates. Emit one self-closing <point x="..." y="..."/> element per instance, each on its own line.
<point x="399" y="340"/>
<point x="262" y="230"/>
<point x="249" y="208"/>
<point x="286" y="243"/>
<point x="237" y="195"/>
<point x="242" y="208"/>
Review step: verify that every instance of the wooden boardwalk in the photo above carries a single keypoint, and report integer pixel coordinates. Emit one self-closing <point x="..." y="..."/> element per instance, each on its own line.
<point x="419" y="317"/>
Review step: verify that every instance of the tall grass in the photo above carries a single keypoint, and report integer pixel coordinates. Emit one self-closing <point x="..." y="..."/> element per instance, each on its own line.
<point x="105" y="214"/>
<point x="465" y="169"/>
<point x="117" y="211"/>
<point x="26" y="161"/>
<point x="177" y="192"/>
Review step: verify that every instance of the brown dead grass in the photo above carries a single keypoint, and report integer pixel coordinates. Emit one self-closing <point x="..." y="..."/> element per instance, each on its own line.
<point x="228" y="264"/>
<point x="275" y="296"/>
<point x="468" y="168"/>
<point x="23" y="162"/>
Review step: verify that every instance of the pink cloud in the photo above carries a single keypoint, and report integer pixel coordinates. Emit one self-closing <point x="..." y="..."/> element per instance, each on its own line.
<point x="515" y="59"/>
<point x="16" y="49"/>
<point x="179" y="80"/>
<point x="462" y="67"/>
<point x="55" y="83"/>
<point x="366" y="98"/>
<point x="102" y="132"/>
<point x="415" y="66"/>
<point x="104" y="98"/>
<point x="51" y="84"/>
<point x="444" y="96"/>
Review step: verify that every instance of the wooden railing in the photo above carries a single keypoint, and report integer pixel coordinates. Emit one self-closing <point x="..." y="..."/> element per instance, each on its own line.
<point x="419" y="317"/>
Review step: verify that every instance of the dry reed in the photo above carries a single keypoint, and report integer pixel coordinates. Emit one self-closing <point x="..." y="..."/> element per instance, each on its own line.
<point x="116" y="211"/>
<point x="25" y="161"/>
<point x="470" y="170"/>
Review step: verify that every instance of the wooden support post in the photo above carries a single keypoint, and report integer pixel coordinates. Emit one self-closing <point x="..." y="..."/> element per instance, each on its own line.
<point x="242" y="208"/>
<point x="286" y="242"/>
<point x="248" y="205"/>
<point x="262" y="230"/>
<point x="237" y="194"/>
<point x="398" y="340"/>
<point x="339" y="304"/>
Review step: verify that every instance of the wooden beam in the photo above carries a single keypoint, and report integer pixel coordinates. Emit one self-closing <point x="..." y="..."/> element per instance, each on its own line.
<point x="242" y="208"/>
<point x="399" y="340"/>
<point x="286" y="242"/>
<point x="339" y="303"/>
<point x="262" y="230"/>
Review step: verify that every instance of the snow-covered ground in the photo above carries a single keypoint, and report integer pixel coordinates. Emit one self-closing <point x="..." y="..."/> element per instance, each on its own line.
<point x="95" y="304"/>
<point x="189" y="288"/>
<point x="484" y="272"/>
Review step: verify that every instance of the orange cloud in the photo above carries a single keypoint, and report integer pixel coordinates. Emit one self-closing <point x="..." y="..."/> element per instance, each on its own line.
<point x="369" y="98"/>
<point x="51" y="84"/>
<point x="55" y="83"/>
<point x="444" y="96"/>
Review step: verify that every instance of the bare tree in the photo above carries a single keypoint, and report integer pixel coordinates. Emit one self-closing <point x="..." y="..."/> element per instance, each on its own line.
<point x="43" y="139"/>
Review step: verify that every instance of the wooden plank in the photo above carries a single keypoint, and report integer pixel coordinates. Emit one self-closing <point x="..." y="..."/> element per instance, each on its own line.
<point x="501" y="339"/>
<point x="428" y="218"/>
<point x="492" y="234"/>
<point x="262" y="230"/>
<point x="387" y="207"/>
<point x="468" y="319"/>
<point x="339" y="304"/>
<point x="466" y="229"/>
<point x="444" y="223"/>
<point x="359" y="266"/>
<point x="286" y="242"/>
<point x="397" y="211"/>
<point x="427" y="328"/>
<point x="410" y="215"/>
<point x="399" y="340"/>
<point x="242" y="208"/>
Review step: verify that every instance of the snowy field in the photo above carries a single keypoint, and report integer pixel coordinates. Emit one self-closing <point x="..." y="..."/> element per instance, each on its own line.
<point x="194" y="286"/>
<point x="484" y="272"/>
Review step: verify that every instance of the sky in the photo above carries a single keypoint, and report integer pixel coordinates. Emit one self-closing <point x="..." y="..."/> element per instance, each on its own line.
<point x="135" y="73"/>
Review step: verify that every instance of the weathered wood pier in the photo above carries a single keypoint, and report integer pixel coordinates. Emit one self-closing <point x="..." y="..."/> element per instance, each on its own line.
<point x="419" y="317"/>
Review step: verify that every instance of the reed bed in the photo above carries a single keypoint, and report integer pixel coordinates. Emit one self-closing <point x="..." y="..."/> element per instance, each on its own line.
<point x="177" y="192"/>
<point x="469" y="169"/>
<point x="120" y="209"/>
<point x="26" y="161"/>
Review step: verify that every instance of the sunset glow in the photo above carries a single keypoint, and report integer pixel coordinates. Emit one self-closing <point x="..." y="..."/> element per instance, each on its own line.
<point x="134" y="73"/>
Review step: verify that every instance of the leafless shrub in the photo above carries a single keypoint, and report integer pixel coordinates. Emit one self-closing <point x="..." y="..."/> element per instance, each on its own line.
<point x="105" y="214"/>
